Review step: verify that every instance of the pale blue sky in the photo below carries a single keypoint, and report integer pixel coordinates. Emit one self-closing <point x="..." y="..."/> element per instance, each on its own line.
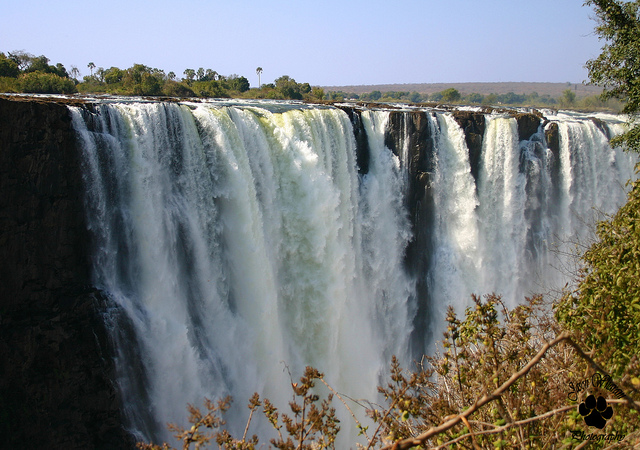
<point x="329" y="42"/>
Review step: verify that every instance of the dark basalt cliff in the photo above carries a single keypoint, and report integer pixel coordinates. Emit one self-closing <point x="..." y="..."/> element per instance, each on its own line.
<point x="56" y="388"/>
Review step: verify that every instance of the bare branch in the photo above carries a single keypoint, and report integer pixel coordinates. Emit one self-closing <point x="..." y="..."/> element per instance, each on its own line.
<point x="500" y="429"/>
<point x="360" y="427"/>
<point x="420" y="439"/>
<point x="496" y="394"/>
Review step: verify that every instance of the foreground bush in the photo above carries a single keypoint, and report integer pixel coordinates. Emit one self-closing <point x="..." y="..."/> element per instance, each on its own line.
<point x="505" y="378"/>
<point x="311" y="425"/>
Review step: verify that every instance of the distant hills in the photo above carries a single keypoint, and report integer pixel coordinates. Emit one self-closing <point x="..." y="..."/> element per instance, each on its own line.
<point x="551" y="89"/>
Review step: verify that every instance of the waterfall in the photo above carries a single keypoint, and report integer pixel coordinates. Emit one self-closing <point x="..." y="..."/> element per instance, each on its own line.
<point x="502" y="198"/>
<point x="239" y="242"/>
<point x="455" y="267"/>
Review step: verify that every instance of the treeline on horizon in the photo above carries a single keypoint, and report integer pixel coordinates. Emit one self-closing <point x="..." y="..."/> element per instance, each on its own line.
<point x="22" y="72"/>
<point x="568" y="99"/>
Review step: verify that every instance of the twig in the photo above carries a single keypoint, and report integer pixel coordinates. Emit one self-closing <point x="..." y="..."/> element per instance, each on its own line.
<point x="473" y="437"/>
<point x="246" y="428"/>
<point x="302" y="435"/>
<point x="406" y="444"/>
<point x="500" y="429"/>
<point x="393" y="404"/>
<point x="348" y="409"/>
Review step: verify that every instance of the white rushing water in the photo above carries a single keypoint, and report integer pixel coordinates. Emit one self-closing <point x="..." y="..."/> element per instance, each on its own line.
<point x="512" y="231"/>
<point x="239" y="242"/>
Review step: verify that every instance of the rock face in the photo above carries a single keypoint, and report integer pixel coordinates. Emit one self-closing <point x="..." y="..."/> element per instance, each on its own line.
<point x="414" y="127"/>
<point x="362" y="143"/>
<point x="473" y="124"/>
<point x="55" y="368"/>
<point x="528" y="124"/>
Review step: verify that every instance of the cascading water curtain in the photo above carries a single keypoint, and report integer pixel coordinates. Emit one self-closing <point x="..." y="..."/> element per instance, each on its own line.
<point x="513" y="230"/>
<point x="241" y="243"/>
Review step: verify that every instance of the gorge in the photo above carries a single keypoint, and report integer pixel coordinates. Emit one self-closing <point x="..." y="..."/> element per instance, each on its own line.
<point x="160" y="252"/>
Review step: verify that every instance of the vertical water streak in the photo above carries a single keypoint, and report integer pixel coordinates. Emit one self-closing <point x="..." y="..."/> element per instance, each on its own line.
<point x="593" y="182"/>
<point x="538" y="165"/>
<point x="502" y="198"/>
<point x="162" y="262"/>
<point x="592" y="186"/>
<point x="455" y="271"/>
<point x="386" y="233"/>
<point x="510" y="233"/>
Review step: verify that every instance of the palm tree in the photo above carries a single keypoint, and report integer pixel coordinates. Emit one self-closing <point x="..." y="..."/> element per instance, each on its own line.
<point x="91" y="66"/>
<point x="75" y="73"/>
<point x="211" y="75"/>
<point x="190" y="74"/>
<point x="259" y="71"/>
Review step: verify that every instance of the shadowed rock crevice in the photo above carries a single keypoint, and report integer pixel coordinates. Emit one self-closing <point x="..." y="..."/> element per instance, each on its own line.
<point x="528" y="124"/>
<point x="473" y="125"/>
<point x="360" y="134"/>
<point x="411" y="130"/>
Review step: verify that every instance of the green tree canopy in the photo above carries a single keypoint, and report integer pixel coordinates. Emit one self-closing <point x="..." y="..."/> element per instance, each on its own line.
<point x="288" y="87"/>
<point x="435" y="97"/>
<point x="568" y="97"/>
<point x="238" y="83"/>
<point x="617" y="68"/>
<point x="415" y="97"/>
<point x="451" y="95"/>
<point x="189" y="74"/>
<point x="474" y="98"/>
<point x="142" y="80"/>
<point x="8" y="67"/>
<point x="28" y="63"/>
<point x="375" y="95"/>
<point x="21" y="58"/>
<point x="46" y="83"/>
<point x="39" y="63"/>
<point x="259" y="72"/>
<point x="113" y="75"/>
